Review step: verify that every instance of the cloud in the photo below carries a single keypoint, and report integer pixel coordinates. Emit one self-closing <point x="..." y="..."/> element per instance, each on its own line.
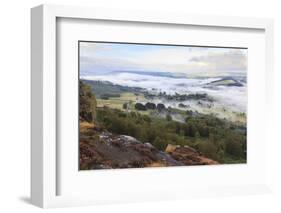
<point x="109" y="57"/>
<point x="231" y="60"/>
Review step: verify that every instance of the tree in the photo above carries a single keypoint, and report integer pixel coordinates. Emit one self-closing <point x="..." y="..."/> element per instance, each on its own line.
<point x="203" y="130"/>
<point x="139" y="106"/>
<point x="197" y="135"/>
<point x="125" y="105"/>
<point x="190" y="129"/>
<point x="168" y="117"/>
<point x="189" y="112"/>
<point x="208" y="149"/>
<point x="234" y="148"/>
<point x="87" y="103"/>
<point x="150" y="105"/>
<point x="160" y="107"/>
<point x="160" y="143"/>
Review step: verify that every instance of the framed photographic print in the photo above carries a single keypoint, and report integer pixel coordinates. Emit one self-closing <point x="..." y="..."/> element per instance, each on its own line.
<point x="158" y="105"/>
<point x="130" y="106"/>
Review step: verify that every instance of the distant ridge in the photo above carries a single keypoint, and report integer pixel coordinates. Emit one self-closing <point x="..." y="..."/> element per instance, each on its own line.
<point x="226" y="81"/>
<point x="152" y="73"/>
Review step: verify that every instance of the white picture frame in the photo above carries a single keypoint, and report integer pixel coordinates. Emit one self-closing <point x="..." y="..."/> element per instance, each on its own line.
<point x="44" y="155"/>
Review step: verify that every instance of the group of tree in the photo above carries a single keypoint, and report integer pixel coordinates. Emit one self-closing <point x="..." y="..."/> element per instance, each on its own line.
<point x="179" y="97"/>
<point x="106" y="96"/>
<point x="211" y="136"/>
<point x="149" y="106"/>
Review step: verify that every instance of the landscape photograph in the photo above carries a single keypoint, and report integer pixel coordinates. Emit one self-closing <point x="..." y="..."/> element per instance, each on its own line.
<point x="159" y="105"/>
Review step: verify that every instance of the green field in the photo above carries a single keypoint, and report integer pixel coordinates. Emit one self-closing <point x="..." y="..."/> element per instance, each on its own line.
<point x="117" y="102"/>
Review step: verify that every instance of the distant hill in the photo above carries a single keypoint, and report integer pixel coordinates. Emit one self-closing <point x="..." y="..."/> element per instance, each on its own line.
<point x="227" y="81"/>
<point x="101" y="88"/>
<point x="152" y="73"/>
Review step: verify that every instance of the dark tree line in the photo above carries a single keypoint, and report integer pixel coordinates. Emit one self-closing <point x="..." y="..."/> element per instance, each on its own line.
<point x="87" y="103"/>
<point x="149" y="106"/>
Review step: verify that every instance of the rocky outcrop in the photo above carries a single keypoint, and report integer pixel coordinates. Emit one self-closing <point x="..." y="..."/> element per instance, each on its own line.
<point x="100" y="149"/>
<point x="188" y="156"/>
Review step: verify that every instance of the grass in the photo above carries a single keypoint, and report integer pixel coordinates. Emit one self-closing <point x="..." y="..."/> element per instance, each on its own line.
<point x="117" y="102"/>
<point x="131" y="98"/>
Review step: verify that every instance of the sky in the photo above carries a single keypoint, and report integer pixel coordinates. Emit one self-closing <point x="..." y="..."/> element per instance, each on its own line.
<point x="102" y="58"/>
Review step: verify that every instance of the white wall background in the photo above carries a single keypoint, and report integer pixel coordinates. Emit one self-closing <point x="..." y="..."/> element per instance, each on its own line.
<point x="15" y="104"/>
